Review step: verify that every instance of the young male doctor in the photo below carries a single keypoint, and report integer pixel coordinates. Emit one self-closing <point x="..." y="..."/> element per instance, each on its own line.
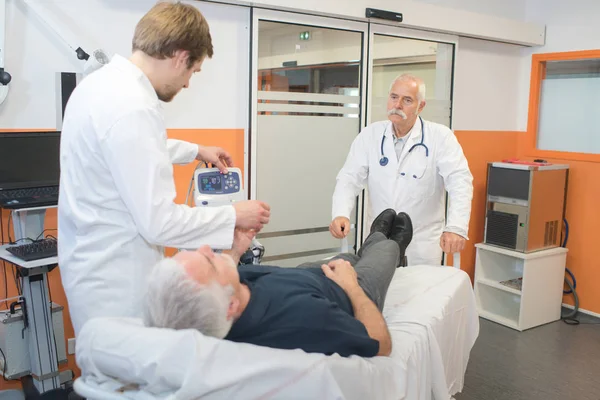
<point x="407" y="164"/>
<point x="116" y="209"/>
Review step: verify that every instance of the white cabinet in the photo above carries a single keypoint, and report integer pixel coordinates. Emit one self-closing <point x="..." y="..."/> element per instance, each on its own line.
<point x="519" y="290"/>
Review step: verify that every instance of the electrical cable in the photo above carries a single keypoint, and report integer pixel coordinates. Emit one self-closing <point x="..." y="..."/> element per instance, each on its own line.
<point x="8" y="228"/>
<point x="17" y="282"/>
<point x="40" y="235"/>
<point x="187" y="196"/>
<point x="3" y="262"/>
<point x="2" y="226"/>
<point x="564" y="244"/>
<point x="5" y="275"/>
<point x="4" y="366"/>
<point x="190" y="187"/>
<point x="569" y="318"/>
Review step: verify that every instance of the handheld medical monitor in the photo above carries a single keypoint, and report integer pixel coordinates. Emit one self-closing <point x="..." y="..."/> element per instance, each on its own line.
<point x="214" y="182"/>
<point x="212" y="188"/>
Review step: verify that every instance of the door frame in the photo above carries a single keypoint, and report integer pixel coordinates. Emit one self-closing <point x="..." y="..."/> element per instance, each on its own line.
<point x="261" y="14"/>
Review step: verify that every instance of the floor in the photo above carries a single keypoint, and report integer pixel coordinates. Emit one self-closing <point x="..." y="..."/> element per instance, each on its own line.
<point x="551" y="362"/>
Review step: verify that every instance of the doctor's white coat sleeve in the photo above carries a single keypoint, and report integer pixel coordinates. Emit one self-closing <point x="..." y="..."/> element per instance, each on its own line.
<point x="181" y="152"/>
<point x="351" y="178"/>
<point x="137" y="156"/>
<point x="458" y="181"/>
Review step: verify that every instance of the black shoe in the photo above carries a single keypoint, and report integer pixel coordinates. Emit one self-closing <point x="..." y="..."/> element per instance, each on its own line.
<point x="402" y="233"/>
<point x="384" y="222"/>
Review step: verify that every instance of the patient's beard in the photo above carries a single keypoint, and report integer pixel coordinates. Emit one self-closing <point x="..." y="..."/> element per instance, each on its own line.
<point x="224" y="329"/>
<point x="225" y="324"/>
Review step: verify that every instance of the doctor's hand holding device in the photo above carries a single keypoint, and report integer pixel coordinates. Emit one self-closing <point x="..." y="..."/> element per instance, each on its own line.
<point x="408" y="164"/>
<point x="216" y="187"/>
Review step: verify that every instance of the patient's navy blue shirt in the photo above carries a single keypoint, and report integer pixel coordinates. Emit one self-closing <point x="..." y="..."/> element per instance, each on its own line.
<point x="293" y="308"/>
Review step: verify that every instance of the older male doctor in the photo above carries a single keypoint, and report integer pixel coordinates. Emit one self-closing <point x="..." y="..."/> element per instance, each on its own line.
<point x="407" y="164"/>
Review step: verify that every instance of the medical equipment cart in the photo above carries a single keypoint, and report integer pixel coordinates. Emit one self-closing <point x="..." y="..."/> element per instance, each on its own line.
<point x="39" y="347"/>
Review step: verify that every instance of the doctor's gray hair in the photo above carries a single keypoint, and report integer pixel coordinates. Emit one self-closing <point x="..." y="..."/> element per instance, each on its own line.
<point x="412" y="78"/>
<point x="174" y="300"/>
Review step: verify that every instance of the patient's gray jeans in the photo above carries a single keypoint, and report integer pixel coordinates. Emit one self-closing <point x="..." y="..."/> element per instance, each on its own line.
<point x="375" y="265"/>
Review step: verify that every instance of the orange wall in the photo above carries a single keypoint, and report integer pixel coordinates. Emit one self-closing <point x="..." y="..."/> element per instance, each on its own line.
<point x="583" y="216"/>
<point x="230" y="139"/>
<point x="583" y="213"/>
<point x="480" y="148"/>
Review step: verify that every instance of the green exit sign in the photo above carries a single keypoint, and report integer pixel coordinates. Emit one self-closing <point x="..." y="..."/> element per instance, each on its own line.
<point x="304" y="35"/>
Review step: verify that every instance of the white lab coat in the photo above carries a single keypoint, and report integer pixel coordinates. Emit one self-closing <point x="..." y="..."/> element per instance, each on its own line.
<point x="116" y="210"/>
<point x="393" y="185"/>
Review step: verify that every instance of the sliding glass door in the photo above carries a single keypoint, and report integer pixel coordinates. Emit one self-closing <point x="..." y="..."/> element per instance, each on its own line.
<point x="306" y="111"/>
<point x="316" y="82"/>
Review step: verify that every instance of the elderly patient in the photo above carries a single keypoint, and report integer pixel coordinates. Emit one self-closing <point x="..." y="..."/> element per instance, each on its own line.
<point x="324" y="308"/>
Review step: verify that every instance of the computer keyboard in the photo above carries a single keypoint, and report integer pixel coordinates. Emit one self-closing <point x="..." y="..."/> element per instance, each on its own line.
<point x="30" y="192"/>
<point x="29" y="197"/>
<point x="36" y="250"/>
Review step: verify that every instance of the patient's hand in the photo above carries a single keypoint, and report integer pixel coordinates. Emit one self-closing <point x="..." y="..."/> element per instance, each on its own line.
<point x="342" y="273"/>
<point x="242" y="238"/>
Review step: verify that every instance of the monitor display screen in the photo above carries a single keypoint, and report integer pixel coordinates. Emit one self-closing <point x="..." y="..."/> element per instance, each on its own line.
<point x="211" y="184"/>
<point x="29" y="159"/>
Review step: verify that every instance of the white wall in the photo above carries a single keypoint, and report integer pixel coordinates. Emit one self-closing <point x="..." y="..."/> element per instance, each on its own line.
<point x="512" y="9"/>
<point x="488" y="74"/>
<point x="449" y="17"/>
<point x="217" y="97"/>
<point x="486" y="86"/>
<point x="571" y="26"/>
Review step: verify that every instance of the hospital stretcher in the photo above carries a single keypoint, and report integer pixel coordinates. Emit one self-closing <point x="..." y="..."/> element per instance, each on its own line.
<point x="431" y="316"/>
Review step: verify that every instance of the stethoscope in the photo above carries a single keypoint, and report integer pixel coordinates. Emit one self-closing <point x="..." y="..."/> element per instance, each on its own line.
<point x="383" y="161"/>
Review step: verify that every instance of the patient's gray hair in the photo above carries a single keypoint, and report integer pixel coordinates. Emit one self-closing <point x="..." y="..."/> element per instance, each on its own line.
<point x="412" y="78"/>
<point x="174" y="300"/>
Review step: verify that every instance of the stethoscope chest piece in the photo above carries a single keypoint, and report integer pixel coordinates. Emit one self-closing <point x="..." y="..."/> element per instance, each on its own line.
<point x="383" y="161"/>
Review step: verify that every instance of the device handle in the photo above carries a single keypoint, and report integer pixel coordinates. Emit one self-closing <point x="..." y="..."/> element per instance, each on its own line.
<point x="345" y="247"/>
<point x="456" y="260"/>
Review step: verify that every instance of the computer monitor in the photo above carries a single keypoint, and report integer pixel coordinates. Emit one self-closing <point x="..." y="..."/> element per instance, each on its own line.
<point x="29" y="159"/>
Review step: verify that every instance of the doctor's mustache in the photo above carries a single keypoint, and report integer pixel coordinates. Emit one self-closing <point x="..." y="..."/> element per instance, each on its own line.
<point x="397" y="112"/>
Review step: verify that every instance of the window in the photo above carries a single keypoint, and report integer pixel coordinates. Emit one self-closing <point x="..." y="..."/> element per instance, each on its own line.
<point x="564" y="110"/>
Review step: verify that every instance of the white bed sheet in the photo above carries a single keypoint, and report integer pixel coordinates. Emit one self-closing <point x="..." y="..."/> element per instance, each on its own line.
<point x="431" y="316"/>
